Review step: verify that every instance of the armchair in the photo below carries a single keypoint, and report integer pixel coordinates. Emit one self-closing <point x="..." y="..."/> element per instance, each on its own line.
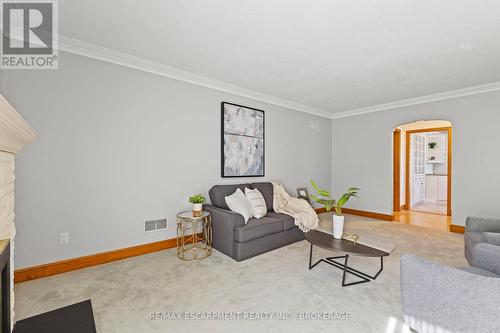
<point x="438" y="298"/>
<point x="480" y="230"/>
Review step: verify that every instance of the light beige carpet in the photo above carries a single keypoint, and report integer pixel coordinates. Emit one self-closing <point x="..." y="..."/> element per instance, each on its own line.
<point x="124" y="293"/>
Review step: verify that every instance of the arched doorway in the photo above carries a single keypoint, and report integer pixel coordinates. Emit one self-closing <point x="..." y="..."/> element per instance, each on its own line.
<point x="422" y="167"/>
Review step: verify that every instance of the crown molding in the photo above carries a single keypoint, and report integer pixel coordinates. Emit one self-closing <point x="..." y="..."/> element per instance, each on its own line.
<point x="97" y="52"/>
<point x="495" y="86"/>
<point x="14" y="130"/>
<point x="89" y="50"/>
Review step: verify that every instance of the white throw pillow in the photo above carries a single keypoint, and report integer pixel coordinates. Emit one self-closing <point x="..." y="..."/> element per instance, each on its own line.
<point x="238" y="203"/>
<point x="257" y="201"/>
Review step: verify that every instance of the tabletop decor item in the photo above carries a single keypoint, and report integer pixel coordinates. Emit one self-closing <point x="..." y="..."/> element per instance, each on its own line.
<point x="325" y="198"/>
<point x="242" y="141"/>
<point x="351" y="236"/>
<point x="303" y="194"/>
<point x="194" y="236"/>
<point x="197" y="200"/>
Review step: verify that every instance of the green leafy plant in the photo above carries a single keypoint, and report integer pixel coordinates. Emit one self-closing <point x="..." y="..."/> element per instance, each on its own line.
<point x="325" y="198"/>
<point x="197" y="199"/>
<point x="432" y="145"/>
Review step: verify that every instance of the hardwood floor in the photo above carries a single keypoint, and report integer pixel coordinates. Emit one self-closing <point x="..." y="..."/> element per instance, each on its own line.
<point x="438" y="207"/>
<point x="429" y="220"/>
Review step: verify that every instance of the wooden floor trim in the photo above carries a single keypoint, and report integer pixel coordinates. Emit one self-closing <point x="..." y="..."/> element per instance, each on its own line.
<point x="459" y="229"/>
<point x="58" y="267"/>
<point x="68" y="265"/>
<point x="373" y="215"/>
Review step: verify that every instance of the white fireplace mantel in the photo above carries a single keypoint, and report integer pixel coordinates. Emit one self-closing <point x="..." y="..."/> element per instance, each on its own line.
<point x="14" y="130"/>
<point x="14" y="134"/>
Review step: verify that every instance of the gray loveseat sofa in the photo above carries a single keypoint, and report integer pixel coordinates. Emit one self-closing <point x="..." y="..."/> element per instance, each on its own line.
<point x="241" y="241"/>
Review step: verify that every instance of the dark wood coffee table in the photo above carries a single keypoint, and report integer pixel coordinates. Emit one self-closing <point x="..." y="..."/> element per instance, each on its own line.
<point x="347" y="248"/>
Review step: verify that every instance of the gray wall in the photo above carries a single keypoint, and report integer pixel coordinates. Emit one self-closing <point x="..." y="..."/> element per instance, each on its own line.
<point x="362" y="154"/>
<point x="118" y="146"/>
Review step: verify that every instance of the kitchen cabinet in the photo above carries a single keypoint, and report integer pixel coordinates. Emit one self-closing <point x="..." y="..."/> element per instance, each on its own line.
<point x="436" y="187"/>
<point x="442" y="188"/>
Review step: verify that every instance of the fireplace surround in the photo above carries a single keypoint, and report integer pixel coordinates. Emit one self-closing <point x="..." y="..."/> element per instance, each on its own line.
<point x="14" y="134"/>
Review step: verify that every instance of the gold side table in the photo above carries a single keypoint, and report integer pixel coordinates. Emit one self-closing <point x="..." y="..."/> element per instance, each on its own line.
<point x="194" y="236"/>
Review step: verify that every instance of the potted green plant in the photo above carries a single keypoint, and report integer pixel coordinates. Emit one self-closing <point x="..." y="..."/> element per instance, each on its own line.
<point x="324" y="198"/>
<point x="197" y="200"/>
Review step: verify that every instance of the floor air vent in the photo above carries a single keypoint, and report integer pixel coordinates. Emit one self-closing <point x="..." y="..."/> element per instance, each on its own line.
<point x="155" y="225"/>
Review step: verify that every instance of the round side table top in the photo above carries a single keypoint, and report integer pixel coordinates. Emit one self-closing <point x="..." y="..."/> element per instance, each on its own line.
<point x="188" y="215"/>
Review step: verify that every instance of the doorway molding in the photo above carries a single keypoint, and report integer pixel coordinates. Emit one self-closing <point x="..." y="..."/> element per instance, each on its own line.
<point x="396" y="167"/>
<point x="407" y="166"/>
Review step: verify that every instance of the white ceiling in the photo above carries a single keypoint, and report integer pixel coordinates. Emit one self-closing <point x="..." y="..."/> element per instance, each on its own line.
<point x="331" y="55"/>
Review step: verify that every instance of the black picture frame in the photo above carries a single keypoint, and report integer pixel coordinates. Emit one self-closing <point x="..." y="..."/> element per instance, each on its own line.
<point x="303" y="193"/>
<point x="223" y="175"/>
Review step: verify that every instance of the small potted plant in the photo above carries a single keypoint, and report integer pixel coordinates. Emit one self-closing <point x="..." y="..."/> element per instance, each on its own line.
<point x="197" y="200"/>
<point x="324" y="197"/>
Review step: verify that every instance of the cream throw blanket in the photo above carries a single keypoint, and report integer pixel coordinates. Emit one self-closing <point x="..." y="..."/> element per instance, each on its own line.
<point x="304" y="215"/>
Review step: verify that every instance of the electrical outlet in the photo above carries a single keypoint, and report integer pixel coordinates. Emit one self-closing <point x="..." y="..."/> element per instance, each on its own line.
<point x="63" y="238"/>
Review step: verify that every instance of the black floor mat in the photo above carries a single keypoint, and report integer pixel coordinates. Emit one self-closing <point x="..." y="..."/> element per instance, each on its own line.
<point x="76" y="318"/>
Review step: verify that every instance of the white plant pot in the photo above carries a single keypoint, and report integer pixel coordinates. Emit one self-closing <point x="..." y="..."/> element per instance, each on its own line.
<point x="338" y="226"/>
<point x="197" y="208"/>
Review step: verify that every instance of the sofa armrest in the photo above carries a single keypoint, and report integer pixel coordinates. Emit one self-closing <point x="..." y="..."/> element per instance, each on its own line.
<point x="234" y="219"/>
<point x="477" y="224"/>
<point x="487" y="256"/>
<point x="438" y="298"/>
<point x="223" y="224"/>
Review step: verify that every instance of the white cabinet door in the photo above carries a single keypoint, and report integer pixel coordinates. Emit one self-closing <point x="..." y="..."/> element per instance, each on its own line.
<point x="422" y="187"/>
<point x="442" y="188"/>
<point x="418" y="194"/>
<point x="431" y="188"/>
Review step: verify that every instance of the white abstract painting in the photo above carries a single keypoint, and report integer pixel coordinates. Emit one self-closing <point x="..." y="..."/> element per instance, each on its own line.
<point x="242" y="141"/>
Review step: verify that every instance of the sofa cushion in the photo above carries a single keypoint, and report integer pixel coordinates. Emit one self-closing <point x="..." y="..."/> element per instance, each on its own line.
<point x="266" y="189"/>
<point x="486" y="256"/>
<point x="288" y="221"/>
<point x="492" y="238"/>
<point x="218" y="193"/>
<point x="478" y="271"/>
<point x="239" y="203"/>
<point x="257" y="228"/>
<point x="259" y="208"/>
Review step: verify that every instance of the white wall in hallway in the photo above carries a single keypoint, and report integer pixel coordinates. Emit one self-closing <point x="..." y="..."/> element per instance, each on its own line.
<point x="117" y="146"/>
<point x="362" y="147"/>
